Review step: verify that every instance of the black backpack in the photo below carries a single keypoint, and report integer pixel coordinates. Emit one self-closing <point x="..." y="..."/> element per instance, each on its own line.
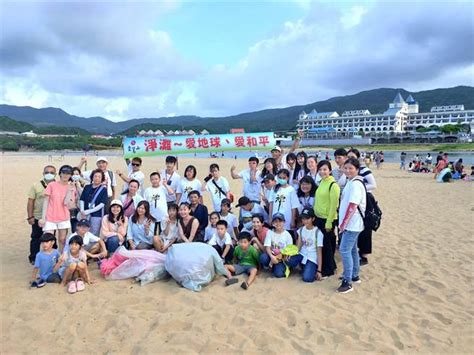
<point x="373" y="213"/>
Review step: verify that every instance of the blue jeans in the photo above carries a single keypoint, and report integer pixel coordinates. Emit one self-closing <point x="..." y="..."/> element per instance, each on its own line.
<point x="308" y="270"/>
<point x="112" y="244"/>
<point x="278" y="270"/>
<point x="349" y="255"/>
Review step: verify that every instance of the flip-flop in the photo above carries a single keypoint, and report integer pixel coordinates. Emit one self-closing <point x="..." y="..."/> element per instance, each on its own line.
<point x="71" y="287"/>
<point x="231" y="281"/>
<point x="244" y="285"/>
<point x="80" y="285"/>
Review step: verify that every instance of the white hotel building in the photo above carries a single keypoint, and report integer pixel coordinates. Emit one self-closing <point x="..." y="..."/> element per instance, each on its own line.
<point x="402" y="116"/>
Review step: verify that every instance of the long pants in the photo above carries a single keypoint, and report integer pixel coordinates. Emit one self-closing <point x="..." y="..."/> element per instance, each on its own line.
<point x="278" y="270"/>
<point x="329" y="247"/>
<point x="230" y="255"/>
<point x="112" y="244"/>
<point x="308" y="270"/>
<point x="36" y="233"/>
<point x="349" y="255"/>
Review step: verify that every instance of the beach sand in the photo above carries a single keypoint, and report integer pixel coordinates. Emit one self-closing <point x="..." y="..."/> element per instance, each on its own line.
<point x="416" y="293"/>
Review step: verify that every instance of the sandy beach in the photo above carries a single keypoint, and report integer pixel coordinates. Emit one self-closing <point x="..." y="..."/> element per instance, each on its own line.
<point x="416" y="293"/>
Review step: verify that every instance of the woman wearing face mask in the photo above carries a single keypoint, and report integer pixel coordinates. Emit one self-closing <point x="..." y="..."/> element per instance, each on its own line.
<point x="284" y="200"/>
<point x="58" y="197"/>
<point x="93" y="200"/>
<point x="131" y="198"/>
<point x="34" y="209"/>
<point x="78" y="182"/>
<point x="325" y="208"/>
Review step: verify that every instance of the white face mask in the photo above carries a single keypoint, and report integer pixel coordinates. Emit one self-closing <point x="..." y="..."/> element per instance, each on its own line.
<point x="75" y="177"/>
<point x="49" y="177"/>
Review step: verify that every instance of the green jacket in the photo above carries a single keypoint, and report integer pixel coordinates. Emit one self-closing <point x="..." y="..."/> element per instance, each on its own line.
<point x="326" y="200"/>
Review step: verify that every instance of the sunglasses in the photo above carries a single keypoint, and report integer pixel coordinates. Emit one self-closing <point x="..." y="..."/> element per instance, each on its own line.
<point x="135" y="164"/>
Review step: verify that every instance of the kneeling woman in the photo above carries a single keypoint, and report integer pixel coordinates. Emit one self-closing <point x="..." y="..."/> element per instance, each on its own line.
<point x="114" y="227"/>
<point x="141" y="232"/>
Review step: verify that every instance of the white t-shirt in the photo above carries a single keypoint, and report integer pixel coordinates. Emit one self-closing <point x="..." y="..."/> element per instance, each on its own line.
<point x="258" y="209"/>
<point x="156" y="196"/>
<point x="316" y="178"/>
<point x="110" y="182"/>
<point x="216" y="240"/>
<point x="277" y="241"/>
<point x="209" y="232"/>
<point x="310" y="240"/>
<point x="216" y="195"/>
<point x="283" y="164"/>
<point x="305" y="202"/>
<point x="185" y="187"/>
<point x="284" y="200"/>
<point x="232" y="222"/>
<point x="88" y="238"/>
<point x="172" y="233"/>
<point x="251" y="189"/>
<point x="353" y="192"/>
<point x="135" y="175"/>
<point x="175" y="179"/>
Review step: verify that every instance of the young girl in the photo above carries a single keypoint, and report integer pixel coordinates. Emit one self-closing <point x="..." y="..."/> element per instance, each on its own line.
<point x="93" y="200"/>
<point x="275" y="241"/>
<point x="141" y="229"/>
<point x="169" y="228"/>
<point x="269" y="167"/>
<point x="230" y="218"/>
<point x="306" y="192"/>
<point x="59" y="196"/>
<point x="187" y="184"/>
<point x="188" y="227"/>
<point x="72" y="266"/>
<point x="284" y="200"/>
<point x="300" y="170"/>
<point x="310" y="245"/>
<point x="291" y="163"/>
<point x="114" y="227"/>
<point x="312" y="164"/>
<point x="131" y="198"/>
<point x="214" y="217"/>
<point x="325" y="208"/>
<point x="156" y="195"/>
<point x="259" y="232"/>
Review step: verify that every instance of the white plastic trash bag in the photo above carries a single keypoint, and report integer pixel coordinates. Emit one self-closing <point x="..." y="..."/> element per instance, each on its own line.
<point x="193" y="265"/>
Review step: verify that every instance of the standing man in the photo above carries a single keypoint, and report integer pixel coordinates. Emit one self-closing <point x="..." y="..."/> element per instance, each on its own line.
<point x="340" y="156"/>
<point x="110" y="180"/>
<point x="134" y="173"/>
<point x="171" y="177"/>
<point x="34" y="209"/>
<point x="280" y="157"/>
<point x="252" y="179"/>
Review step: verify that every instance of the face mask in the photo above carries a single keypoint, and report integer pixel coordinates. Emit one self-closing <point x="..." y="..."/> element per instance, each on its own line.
<point x="248" y="225"/>
<point x="282" y="181"/>
<point x="49" y="177"/>
<point x="75" y="177"/>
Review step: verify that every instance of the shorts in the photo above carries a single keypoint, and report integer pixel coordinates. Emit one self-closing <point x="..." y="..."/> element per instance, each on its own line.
<point x="240" y="269"/>
<point x="52" y="226"/>
<point x="89" y="246"/>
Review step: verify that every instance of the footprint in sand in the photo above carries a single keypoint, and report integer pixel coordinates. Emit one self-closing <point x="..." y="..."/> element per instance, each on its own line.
<point x="396" y="340"/>
<point x="442" y="319"/>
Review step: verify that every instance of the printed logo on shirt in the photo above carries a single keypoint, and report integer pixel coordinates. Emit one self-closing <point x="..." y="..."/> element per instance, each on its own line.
<point x="155" y="199"/>
<point x="280" y="199"/>
<point x="188" y="189"/>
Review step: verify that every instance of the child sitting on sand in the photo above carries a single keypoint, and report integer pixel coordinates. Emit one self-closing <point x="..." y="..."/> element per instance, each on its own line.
<point x="222" y="242"/>
<point x="246" y="260"/>
<point x="169" y="227"/>
<point x="93" y="246"/>
<point x="45" y="261"/>
<point x="211" y="228"/>
<point x="276" y="240"/>
<point x="72" y="266"/>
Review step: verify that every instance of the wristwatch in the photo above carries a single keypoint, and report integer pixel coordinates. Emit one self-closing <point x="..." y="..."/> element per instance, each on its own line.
<point x="31" y="217"/>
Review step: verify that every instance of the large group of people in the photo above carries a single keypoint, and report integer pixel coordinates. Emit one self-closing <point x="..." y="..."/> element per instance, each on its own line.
<point x="293" y="213"/>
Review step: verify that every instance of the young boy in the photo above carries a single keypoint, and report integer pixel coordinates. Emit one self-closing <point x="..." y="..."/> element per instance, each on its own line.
<point x="268" y="189"/>
<point x="93" y="246"/>
<point x="45" y="261"/>
<point x="230" y="218"/>
<point x="252" y="179"/>
<point x="276" y="241"/>
<point x="222" y="242"/>
<point x="170" y="177"/>
<point x="246" y="257"/>
<point x="157" y="195"/>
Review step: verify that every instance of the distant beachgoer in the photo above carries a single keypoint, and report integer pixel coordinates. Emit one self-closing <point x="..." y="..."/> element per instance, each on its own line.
<point x="403" y="157"/>
<point x="429" y="160"/>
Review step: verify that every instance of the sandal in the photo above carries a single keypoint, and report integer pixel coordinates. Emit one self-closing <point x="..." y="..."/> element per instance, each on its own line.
<point x="244" y="285"/>
<point x="80" y="285"/>
<point x="71" y="287"/>
<point x="231" y="281"/>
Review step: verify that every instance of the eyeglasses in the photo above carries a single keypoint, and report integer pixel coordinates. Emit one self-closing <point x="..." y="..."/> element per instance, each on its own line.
<point x="135" y="164"/>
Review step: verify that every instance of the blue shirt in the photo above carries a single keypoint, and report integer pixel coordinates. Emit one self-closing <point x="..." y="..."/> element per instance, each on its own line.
<point x="45" y="263"/>
<point x="136" y="232"/>
<point x="88" y="195"/>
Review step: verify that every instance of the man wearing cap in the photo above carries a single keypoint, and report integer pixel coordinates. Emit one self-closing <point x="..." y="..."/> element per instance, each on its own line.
<point x="247" y="205"/>
<point x="34" y="209"/>
<point x="110" y="180"/>
<point x="252" y="179"/>
<point x="280" y="157"/>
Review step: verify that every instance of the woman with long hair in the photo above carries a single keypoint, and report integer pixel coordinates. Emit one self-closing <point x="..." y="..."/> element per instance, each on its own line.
<point x="114" y="227"/>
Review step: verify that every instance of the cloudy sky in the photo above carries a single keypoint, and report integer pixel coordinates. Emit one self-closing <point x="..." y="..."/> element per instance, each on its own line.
<point x="128" y="60"/>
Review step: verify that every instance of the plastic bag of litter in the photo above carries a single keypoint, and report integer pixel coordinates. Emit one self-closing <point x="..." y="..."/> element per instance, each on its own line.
<point x="157" y="273"/>
<point x="193" y="265"/>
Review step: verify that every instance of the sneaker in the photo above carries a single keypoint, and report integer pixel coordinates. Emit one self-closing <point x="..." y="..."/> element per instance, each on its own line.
<point x="355" y="280"/>
<point x="363" y="261"/>
<point x="345" y="287"/>
<point x="38" y="283"/>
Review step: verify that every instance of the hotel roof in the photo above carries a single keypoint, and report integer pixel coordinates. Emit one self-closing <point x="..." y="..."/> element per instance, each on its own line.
<point x="410" y="100"/>
<point x="398" y="99"/>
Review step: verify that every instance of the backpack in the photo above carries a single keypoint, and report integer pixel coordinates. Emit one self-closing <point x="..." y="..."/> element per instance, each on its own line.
<point x="373" y="213"/>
